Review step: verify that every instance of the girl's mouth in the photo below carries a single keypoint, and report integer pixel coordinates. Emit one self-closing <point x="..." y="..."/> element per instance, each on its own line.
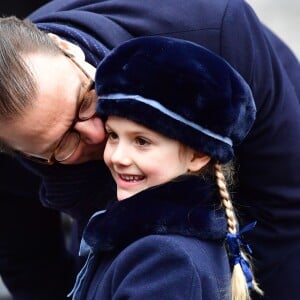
<point x="132" y="178"/>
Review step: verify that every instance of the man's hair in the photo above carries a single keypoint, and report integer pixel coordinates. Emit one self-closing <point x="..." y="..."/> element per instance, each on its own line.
<point x="18" y="88"/>
<point x="17" y="85"/>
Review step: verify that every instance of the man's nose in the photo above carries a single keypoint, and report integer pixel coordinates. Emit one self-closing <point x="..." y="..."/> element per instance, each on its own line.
<point x="91" y="131"/>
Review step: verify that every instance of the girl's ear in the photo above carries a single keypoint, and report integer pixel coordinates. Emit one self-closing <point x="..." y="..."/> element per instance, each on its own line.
<point x="68" y="47"/>
<point x="198" y="161"/>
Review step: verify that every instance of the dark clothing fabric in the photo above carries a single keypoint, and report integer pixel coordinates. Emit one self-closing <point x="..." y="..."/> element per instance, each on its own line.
<point x="76" y="190"/>
<point x="166" y="242"/>
<point x="94" y="50"/>
<point x="268" y="181"/>
<point x="34" y="263"/>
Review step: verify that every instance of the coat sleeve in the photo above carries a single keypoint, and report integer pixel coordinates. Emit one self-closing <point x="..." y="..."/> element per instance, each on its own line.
<point x="77" y="190"/>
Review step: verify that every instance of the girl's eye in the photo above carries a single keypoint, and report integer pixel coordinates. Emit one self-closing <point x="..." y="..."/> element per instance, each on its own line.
<point x="112" y="136"/>
<point x="142" y="141"/>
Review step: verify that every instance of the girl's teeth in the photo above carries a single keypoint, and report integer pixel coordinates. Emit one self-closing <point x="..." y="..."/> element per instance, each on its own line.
<point x="131" y="177"/>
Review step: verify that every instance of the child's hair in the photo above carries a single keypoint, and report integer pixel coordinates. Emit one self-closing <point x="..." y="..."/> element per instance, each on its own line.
<point x="239" y="282"/>
<point x="185" y="92"/>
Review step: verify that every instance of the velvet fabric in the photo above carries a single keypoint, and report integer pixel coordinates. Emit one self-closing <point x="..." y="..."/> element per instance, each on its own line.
<point x="162" y="210"/>
<point x="179" y="89"/>
<point x="268" y="176"/>
<point x="166" y="242"/>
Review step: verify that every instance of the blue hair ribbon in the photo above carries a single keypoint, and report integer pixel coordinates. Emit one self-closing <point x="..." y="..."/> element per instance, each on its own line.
<point x="235" y="243"/>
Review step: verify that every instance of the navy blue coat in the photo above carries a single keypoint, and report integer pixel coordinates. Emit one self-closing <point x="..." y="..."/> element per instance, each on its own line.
<point x="165" y="243"/>
<point x="269" y="184"/>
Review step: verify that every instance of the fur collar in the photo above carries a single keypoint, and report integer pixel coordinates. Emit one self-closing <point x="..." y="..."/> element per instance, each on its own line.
<point x="187" y="206"/>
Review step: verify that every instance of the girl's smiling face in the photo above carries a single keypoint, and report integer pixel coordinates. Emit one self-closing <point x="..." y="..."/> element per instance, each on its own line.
<point x="139" y="158"/>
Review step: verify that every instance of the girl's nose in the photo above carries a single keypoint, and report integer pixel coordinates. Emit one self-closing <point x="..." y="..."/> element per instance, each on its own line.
<point x="119" y="156"/>
<point x="91" y="131"/>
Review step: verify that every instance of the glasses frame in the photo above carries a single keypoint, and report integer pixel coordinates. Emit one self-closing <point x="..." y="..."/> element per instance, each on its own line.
<point x="52" y="159"/>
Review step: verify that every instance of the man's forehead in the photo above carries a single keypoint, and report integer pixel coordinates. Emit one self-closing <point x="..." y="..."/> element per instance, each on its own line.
<point x="46" y="117"/>
<point x="48" y="69"/>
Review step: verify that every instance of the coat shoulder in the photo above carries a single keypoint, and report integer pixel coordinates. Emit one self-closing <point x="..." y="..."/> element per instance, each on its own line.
<point x="162" y="266"/>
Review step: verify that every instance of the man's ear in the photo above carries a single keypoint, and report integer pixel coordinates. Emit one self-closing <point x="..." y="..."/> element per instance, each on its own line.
<point x="198" y="161"/>
<point x="67" y="47"/>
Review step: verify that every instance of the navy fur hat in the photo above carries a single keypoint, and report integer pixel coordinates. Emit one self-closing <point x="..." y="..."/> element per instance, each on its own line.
<point x="179" y="89"/>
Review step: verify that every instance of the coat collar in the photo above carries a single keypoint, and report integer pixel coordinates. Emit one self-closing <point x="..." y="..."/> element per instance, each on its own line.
<point x="188" y="206"/>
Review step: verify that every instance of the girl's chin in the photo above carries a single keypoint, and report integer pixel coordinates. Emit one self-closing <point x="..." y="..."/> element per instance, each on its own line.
<point x="122" y="195"/>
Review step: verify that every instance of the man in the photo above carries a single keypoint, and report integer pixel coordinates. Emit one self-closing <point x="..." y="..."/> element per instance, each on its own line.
<point x="28" y="268"/>
<point x="268" y="189"/>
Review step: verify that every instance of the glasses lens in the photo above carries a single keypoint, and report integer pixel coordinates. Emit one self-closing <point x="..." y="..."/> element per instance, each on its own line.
<point x="67" y="146"/>
<point x="88" y="106"/>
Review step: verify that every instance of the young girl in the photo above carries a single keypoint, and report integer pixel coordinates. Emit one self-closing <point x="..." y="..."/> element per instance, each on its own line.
<point x="173" y="113"/>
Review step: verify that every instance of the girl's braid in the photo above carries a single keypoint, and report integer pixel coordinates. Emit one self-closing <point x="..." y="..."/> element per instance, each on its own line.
<point x="239" y="285"/>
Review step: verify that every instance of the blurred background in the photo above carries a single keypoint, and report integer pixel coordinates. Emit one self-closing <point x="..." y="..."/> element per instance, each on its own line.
<point x="282" y="16"/>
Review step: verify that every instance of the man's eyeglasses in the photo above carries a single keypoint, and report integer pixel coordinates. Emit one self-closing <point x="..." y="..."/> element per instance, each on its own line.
<point x="71" y="138"/>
